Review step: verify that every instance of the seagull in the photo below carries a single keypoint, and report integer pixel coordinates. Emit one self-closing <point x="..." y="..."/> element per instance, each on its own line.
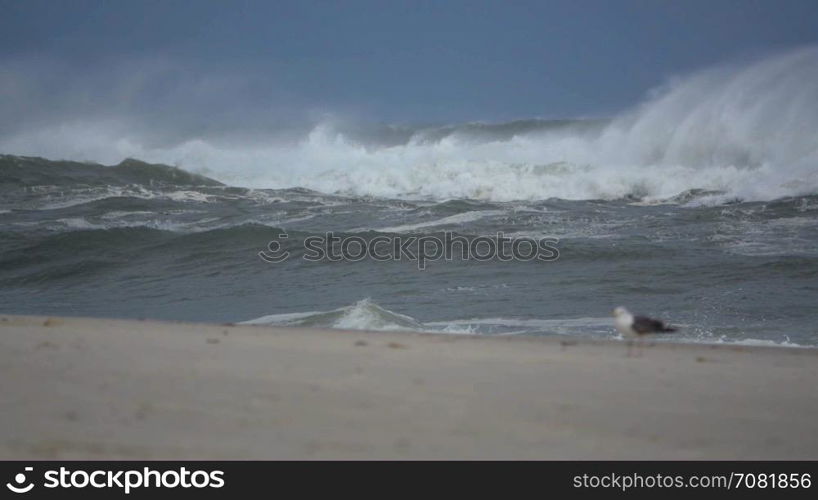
<point x="637" y="327"/>
<point x="631" y="326"/>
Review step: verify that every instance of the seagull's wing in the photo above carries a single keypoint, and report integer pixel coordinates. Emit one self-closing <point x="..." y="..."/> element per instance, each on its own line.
<point x="643" y="324"/>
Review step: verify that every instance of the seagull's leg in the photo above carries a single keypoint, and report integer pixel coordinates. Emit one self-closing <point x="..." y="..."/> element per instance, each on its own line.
<point x="630" y="347"/>
<point x="636" y="344"/>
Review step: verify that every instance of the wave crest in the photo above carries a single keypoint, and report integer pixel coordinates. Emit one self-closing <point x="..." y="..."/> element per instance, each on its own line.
<point x="748" y="131"/>
<point x="362" y="315"/>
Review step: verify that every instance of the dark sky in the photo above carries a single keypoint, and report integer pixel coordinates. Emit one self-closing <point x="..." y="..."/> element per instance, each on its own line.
<point x="385" y="59"/>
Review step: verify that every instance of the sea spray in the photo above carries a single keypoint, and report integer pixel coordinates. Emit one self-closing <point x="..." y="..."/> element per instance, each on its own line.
<point x="745" y="130"/>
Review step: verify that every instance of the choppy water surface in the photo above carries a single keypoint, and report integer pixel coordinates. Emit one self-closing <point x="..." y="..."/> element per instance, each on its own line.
<point x="699" y="206"/>
<point x="151" y="242"/>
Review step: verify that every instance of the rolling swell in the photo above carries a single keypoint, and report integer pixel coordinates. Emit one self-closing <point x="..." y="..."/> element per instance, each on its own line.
<point x="81" y="254"/>
<point x="32" y="171"/>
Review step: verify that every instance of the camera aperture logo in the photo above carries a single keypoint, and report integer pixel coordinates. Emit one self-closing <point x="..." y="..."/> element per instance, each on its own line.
<point x="19" y="485"/>
<point x="126" y="480"/>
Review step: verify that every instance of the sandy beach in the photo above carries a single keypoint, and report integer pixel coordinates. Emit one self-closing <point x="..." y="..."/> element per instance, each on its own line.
<point x="110" y="389"/>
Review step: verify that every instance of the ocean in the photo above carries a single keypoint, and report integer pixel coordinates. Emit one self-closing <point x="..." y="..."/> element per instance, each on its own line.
<point x="699" y="206"/>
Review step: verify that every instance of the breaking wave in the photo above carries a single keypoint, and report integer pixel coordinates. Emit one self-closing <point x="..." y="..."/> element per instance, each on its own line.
<point x="367" y="315"/>
<point x="363" y="315"/>
<point x="747" y="131"/>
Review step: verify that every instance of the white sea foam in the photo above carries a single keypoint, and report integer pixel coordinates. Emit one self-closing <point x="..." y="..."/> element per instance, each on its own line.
<point x="59" y="198"/>
<point x="746" y="130"/>
<point x="540" y="324"/>
<point x="742" y="342"/>
<point x="81" y="223"/>
<point x="363" y="315"/>
<point x="366" y="315"/>
<point x="456" y="219"/>
<point x="518" y="326"/>
<point x="762" y="342"/>
<point x="288" y="319"/>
